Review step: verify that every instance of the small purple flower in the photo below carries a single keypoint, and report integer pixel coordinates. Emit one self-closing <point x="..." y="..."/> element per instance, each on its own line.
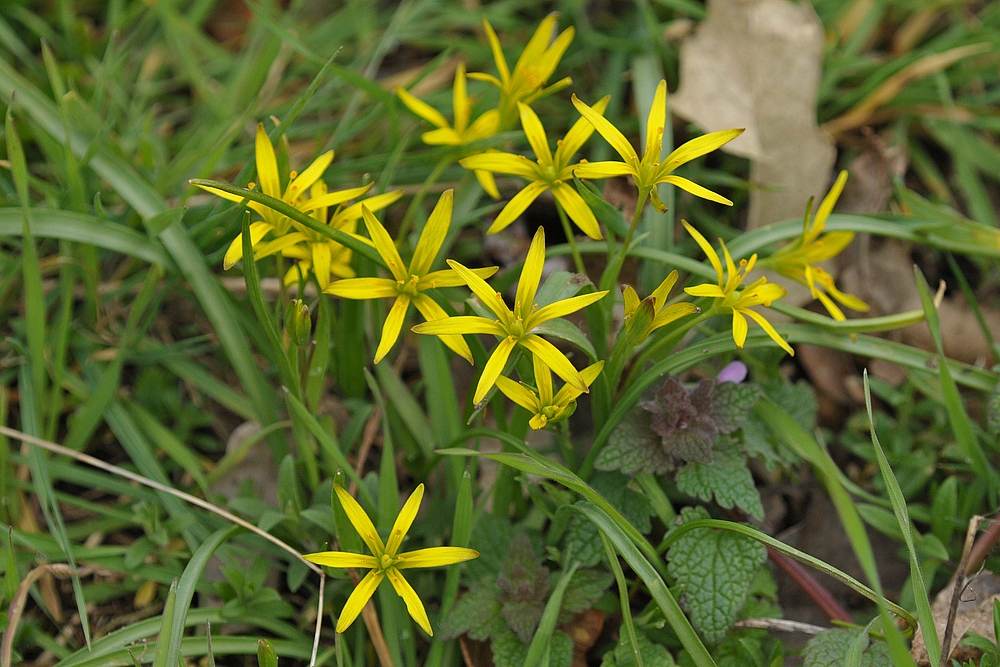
<point x="734" y="372"/>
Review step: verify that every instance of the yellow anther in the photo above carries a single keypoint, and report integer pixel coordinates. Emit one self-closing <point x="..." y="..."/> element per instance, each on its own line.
<point x="295" y="174"/>
<point x="251" y="185"/>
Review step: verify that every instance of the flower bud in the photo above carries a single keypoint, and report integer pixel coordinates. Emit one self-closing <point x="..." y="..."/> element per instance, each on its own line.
<point x="266" y="656"/>
<point x="298" y="323"/>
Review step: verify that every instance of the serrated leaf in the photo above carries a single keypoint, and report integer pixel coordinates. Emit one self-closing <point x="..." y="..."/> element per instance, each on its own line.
<point x="827" y="649"/>
<point x="653" y="655"/>
<point x="523" y="617"/>
<point x="491" y="537"/>
<point x="477" y="613"/>
<point x="584" y="589"/>
<point x="633" y="447"/>
<point x="726" y="477"/>
<point x="509" y="651"/>
<point x="683" y="418"/>
<point x="524" y="588"/>
<point x="731" y="403"/>
<point x="715" y="570"/>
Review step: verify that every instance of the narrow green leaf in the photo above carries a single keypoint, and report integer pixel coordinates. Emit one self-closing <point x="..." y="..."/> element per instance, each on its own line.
<point x="182" y="592"/>
<point x="401" y="398"/>
<point x="166" y="629"/>
<point x="961" y="425"/>
<point x="547" y="625"/>
<point x="654" y="584"/>
<point x="623" y="599"/>
<point x="924" y="614"/>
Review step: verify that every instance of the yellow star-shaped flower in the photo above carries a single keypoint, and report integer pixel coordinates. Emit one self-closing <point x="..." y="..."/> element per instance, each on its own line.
<point x="537" y="63"/>
<point x="738" y="301"/>
<point x="798" y="260"/>
<point x="662" y="313"/>
<point x="548" y="172"/>
<point x="270" y="184"/>
<point x="385" y="560"/>
<point x="515" y="327"/>
<point x="408" y="284"/>
<point x="546" y="407"/>
<point x="462" y="132"/>
<point x="649" y="171"/>
<point x="318" y="254"/>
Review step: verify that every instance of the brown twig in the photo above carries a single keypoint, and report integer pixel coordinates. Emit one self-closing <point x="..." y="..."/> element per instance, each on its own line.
<point x="961" y="577"/>
<point x="815" y="590"/>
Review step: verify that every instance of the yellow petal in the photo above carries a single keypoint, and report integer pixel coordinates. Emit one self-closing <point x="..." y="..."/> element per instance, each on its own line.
<point x="671" y="313"/>
<point x="706" y="247"/>
<point x="531" y="275"/>
<point x="538" y="422"/>
<point x="321" y="263"/>
<point x="699" y="146"/>
<point x="733" y="275"/>
<point x="490" y="297"/>
<point x="449" y="278"/>
<point x="517" y="205"/>
<point x="766" y="326"/>
<point x="432" y="311"/>
<point x="422" y="109"/>
<point x="604" y="170"/>
<point x="695" y="189"/>
<point x="363" y="288"/>
<point x="344" y="217"/>
<point x="518" y="393"/>
<point x="460" y="100"/>
<point x="655" y="122"/>
<point x="631" y="300"/>
<point x="610" y="133"/>
<point x="460" y="324"/>
<point x="486" y="125"/>
<point x="312" y="173"/>
<point x="434" y="557"/>
<point x="578" y="135"/>
<point x="359" y="598"/>
<point x="706" y="289"/>
<point x="359" y="519"/>
<point x="383" y="243"/>
<point x="555" y="360"/>
<point x="433" y="235"/>
<point x="267" y="164"/>
<point x="832" y="308"/>
<point x="828" y="246"/>
<point x="567" y="393"/>
<point x="535" y="133"/>
<point x="235" y="251"/>
<point x="740" y="328"/>
<point x="493" y="368"/>
<point x="498" y="58"/>
<point x="535" y="49"/>
<point x="487" y="183"/>
<point x="829" y="201"/>
<point x="543" y="380"/>
<point x="334" y="198"/>
<point x="444" y="136"/>
<point x="413" y="604"/>
<point x="563" y="308"/>
<point x="404" y="520"/>
<point x="393" y="323"/>
<point x="502" y="163"/>
<point x="576" y="209"/>
<point x="661" y="293"/>
<point x="284" y="245"/>
<point x="342" y="559"/>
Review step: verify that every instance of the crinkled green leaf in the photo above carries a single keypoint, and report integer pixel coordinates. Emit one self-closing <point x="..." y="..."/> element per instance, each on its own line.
<point x="714" y="570"/>
<point x="633" y="447"/>
<point x="727" y="478"/>
<point x="731" y="403"/>
<point x="684" y="419"/>
<point x="827" y="649"/>
<point x="477" y="613"/>
<point x="509" y="651"/>
<point x="524" y="588"/>
<point x="797" y="399"/>
<point x="491" y="537"/>
<point x="653" y="655"/>
<point x="583" y="591"/>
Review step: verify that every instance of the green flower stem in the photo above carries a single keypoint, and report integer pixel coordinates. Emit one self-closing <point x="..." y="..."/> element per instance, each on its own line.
<point x="571" y="239"/>
<point x="614" y="269"/>
<point x="566" y="445"/>
<point x="418" y="199"/>
<point x="664" y="345"/>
